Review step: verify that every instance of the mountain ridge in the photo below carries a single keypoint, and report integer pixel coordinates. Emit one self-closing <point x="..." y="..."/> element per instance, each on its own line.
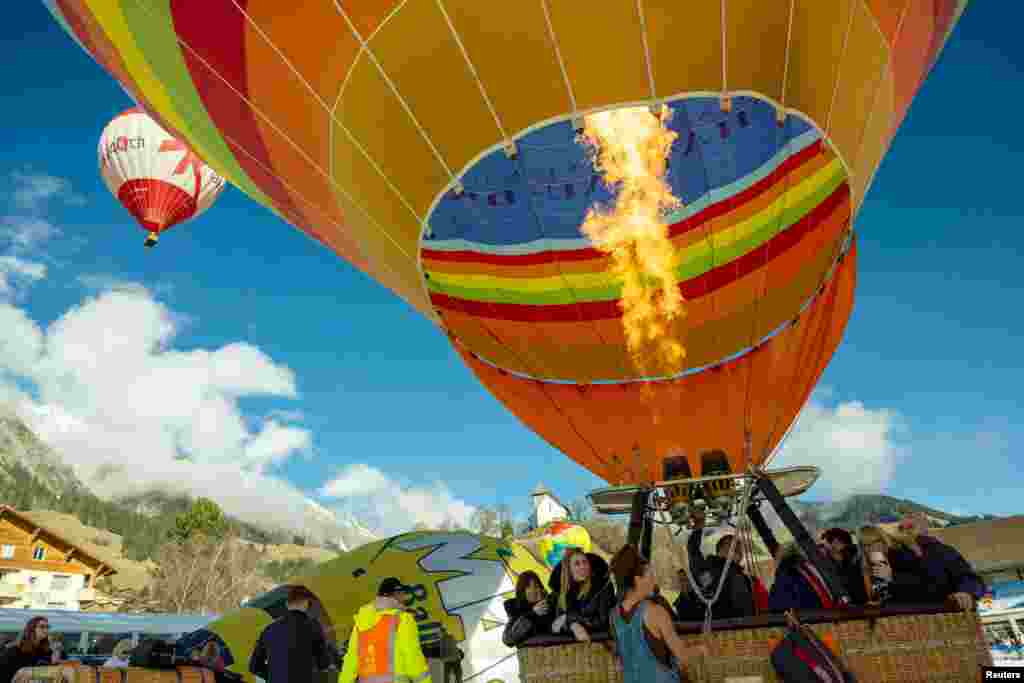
<point x="34" y="477"/>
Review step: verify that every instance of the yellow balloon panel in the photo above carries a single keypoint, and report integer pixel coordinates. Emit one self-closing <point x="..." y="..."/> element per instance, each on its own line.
<point x="680" y="65"/>
<point x="816" y="49"/>
<point x="602" y="51"/>
<point x="860" y="74"/>
<point x="522" y="30"/>
<point x="375" y="116"/>
<point x="756" y="35"/>
<point x="436" y="83"/>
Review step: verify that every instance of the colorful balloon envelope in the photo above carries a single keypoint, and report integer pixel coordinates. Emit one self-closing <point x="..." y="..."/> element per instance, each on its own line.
<point x="433" y="144"/>
<point x="154" y="175"/>
<point x="558" y="538"/>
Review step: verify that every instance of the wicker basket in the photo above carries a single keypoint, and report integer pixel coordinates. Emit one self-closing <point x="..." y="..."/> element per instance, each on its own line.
<point x="909" y="648"/>
<point x="78" y="673"/>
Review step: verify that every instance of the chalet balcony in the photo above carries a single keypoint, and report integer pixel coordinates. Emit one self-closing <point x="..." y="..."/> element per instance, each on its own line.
<point x="11" y="592"/>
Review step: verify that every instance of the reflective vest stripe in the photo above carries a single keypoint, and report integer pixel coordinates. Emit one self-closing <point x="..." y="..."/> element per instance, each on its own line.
<point x="388" y="678"/>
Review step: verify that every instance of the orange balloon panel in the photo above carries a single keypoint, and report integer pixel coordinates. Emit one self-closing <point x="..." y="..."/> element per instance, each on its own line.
<point x="621" y="432"/>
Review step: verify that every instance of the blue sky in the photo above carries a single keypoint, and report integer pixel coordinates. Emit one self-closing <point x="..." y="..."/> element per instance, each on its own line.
<point x="920" y="400"/>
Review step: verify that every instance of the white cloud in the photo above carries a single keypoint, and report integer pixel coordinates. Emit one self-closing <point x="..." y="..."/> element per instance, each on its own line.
<point x="15" y="271"/>
<point x="131" y="413"/>
<point x="855" y="447"/>
<point x="21" y="341"/>
<point x="97" y="283"/>
<point x="276" y="442"/>
<point x="392" y="506"/>
<point x="25" y="232"/>
<point x="356" y="480"/>
<point x="33" y="190"/>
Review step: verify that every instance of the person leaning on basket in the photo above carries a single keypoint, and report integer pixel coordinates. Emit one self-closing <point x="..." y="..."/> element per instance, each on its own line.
<point x="925" y="570"/>
<point x="584" y="594"/>
<point x="645" y="637"/>
<point x="529" y="613"/>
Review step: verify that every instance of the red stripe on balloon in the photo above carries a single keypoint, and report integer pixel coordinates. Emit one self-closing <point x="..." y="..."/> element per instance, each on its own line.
<point x="692" y="289"/>
<point x="156" y="204"/>
<point x="214" y="33"/>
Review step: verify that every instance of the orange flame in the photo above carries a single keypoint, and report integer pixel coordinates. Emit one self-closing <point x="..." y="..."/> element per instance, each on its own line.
<point x="630" y="149"/>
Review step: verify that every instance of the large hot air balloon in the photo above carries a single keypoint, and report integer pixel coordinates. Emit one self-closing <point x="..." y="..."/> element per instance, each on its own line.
<point x="433" y="144"/>
<point x="154" y="175"/>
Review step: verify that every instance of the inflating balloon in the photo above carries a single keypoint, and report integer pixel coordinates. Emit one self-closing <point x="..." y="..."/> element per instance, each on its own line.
<point x="155" y="176"/>
<point x="460" y="582"/>
<point x="437" y="146"/>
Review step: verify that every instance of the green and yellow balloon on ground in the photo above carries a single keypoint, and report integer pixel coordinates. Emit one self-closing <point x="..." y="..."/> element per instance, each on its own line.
<point x="460" y="583"/>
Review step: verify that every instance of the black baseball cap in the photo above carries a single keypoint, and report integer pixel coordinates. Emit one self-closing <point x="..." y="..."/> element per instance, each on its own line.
<point x="392" y="585"/>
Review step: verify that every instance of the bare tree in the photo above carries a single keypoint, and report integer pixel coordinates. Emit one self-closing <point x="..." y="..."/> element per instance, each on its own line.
<point x="485" y="521"/>
<point x="580" y="510"/>
<point x="201" y="575"/>
<point x="505" y="522"/>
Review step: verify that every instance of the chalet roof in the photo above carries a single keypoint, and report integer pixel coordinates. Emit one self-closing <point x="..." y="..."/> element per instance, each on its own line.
<point x="84" y="553"/>
<point x="987" y="544"/>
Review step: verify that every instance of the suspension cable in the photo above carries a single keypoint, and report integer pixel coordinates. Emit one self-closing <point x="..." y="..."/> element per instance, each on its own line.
<point x="744" y="501"/>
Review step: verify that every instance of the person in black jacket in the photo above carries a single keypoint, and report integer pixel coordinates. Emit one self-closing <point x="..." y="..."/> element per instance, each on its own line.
<point x="926" y="570"/>
<point x="288" y="649"/>
<point x="530" y="613"/>
<point x="687" y="607"/>
<point x="737" y="596"/>
<point x="838" y="544"/>
<point x="584" y="594"/>
<point x="798" y="584"/>
<point x="32" y="649"/>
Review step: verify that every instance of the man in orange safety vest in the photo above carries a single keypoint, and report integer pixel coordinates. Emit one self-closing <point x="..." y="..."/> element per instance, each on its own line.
<point x="385" y="644"/>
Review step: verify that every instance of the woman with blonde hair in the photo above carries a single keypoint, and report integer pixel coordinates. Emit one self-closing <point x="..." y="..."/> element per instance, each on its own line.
<point x="583" y="594"/>
<point x="922" y="570"/>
